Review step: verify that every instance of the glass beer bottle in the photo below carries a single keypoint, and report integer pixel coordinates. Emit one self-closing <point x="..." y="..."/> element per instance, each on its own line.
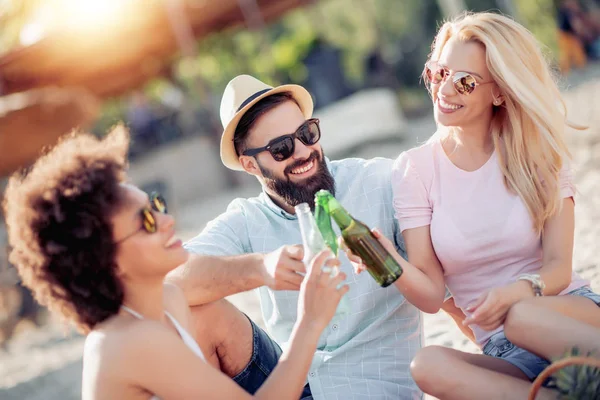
<point x="323" y="220"/>
<point x="358" y="237"/>
<point x="313" y="243"/>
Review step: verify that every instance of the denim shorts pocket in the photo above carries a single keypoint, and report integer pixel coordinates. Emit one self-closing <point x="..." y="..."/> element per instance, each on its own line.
<point x="498" y="346"/>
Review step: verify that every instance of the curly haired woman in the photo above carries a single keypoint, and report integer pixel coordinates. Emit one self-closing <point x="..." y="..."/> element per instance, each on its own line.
<point x="96" y="250"/>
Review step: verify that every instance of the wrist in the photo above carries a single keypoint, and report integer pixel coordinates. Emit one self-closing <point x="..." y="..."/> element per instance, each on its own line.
<point x="260" y="271"/>
<point x="535" y="283"/>
<point x="521" y="290"/>
<point x="309" y="327"/>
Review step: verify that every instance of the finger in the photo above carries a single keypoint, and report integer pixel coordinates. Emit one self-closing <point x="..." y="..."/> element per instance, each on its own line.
<point x="497" y="318"/>
<point x="482" y="313"/>
<point x="354" y="258"/>
<point x="332" y="266"/>
<point x="342" y="244"/>
<point x="295" y="252"/>
<point x="385" y="242"/>
<point x="359" y="268"/>
<point x="485" y="311"/>
<point x="343" y="290"/>
<point x="491" y="325"/>
<point x="337" y="280"/>
<point x="316" y="264"/>
<point x="477" y="303"/>
<point x="291" y="278"/>
<point x="295" y="266"/>
<point x="333" y="262"/>
<point x="285" y="285"/>
<point x="476" y="309"/>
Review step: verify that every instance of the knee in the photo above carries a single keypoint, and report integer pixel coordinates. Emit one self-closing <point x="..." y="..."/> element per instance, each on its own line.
<point x="425" y="368"/>
<point x="517" y="319"/>
<point x="210" y="317"/>
<point x="213" y="312"/>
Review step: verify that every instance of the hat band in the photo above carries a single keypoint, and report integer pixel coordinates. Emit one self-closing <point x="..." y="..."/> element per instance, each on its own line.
<point x="249" y="99"/>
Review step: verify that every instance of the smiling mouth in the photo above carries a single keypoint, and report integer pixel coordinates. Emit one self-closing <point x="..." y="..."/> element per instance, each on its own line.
<point x="448" y="106"/>
<point x="304" y="168"/>
<point x="172" y="241"/>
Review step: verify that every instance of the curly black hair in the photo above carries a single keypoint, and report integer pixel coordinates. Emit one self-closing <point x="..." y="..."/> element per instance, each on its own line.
<point x="58" y="217"/>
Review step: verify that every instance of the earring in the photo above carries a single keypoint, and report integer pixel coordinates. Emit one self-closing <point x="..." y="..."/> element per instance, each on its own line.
<point x="497" y="102"/>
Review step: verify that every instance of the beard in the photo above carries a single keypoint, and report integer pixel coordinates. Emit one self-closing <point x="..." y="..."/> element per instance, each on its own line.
<point x="294" y="193"/>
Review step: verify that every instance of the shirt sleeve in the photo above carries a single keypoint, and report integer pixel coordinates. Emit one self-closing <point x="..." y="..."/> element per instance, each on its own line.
<point x="566" y="181"/>
<point x="412" y="207"/>
<point x="223" y="236"/>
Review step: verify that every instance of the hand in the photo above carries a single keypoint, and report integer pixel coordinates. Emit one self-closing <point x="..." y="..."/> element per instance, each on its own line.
<point x="282" y="268"/>
<point x="319" y="292"/>
<point x="355" y="260"/>
<point x="489" y="311"/>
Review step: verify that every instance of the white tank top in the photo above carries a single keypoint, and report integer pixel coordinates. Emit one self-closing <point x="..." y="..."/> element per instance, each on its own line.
<point x="188" y="340"/>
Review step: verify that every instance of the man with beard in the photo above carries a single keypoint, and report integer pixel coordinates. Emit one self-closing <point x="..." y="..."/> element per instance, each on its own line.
<point x="270" y="133"/>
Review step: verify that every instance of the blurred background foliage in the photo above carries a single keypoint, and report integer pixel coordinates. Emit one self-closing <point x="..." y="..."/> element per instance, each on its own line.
<point x="374" y="43"/>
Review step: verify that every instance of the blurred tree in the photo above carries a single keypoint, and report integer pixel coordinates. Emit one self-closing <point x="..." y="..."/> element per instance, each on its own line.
<point x="451" y="8"/>
<point x="482" y="5"/>
<point x="539" y="17"/>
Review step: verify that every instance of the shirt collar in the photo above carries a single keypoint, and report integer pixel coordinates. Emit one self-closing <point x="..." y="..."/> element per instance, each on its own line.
<point x="278" y="210"/>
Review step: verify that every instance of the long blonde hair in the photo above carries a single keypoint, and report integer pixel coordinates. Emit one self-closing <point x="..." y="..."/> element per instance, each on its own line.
<point x="528" y="129"/>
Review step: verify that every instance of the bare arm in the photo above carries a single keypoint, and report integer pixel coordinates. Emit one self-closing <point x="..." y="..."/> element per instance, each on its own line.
<point x="557" y="249"/>
<point x="422" y="280"/>
<point x="458" y="317"/>
<point x="208" y="278"/>
<point x="204" y="279"/>
<point x="163" y="365"/>
<point x="490" y="309"/>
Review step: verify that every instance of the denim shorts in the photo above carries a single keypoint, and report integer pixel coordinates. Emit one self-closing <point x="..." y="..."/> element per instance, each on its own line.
<point x="531" y="365"/>
<point x="265" y="355"/>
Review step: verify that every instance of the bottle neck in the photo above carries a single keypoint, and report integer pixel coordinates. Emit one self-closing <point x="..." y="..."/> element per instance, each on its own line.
<point x="339" y="214"/>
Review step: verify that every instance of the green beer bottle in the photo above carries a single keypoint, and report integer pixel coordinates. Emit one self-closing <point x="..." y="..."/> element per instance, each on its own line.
<point x="313" y="244"/>
<point x="358" y="237"/>
<point x="324" y="223"/>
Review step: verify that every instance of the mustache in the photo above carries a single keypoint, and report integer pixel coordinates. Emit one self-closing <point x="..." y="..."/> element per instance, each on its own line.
<point x="314" y="156"/>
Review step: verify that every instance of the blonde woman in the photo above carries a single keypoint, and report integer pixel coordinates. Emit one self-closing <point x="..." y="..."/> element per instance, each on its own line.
<point x="486" y="209"/>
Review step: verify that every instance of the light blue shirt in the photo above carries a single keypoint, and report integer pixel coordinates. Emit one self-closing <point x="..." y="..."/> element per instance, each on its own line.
<point x="366" y="353"/>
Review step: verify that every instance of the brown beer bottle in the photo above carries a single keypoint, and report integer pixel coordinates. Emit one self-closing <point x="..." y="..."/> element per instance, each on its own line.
<point x="358" y="237"/>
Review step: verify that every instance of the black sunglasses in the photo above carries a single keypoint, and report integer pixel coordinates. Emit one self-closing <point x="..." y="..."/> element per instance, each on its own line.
<point x="149" y="224"/>
<point x="282" y="147"/>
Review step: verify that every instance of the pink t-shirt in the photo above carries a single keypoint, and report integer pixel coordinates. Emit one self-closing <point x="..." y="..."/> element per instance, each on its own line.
<point x="481" y="233"/>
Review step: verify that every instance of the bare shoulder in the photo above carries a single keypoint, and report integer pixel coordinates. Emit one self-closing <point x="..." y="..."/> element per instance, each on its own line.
<point x="113" y="342"/>
<point x="173" y="294"/>
<point x="176" y="303"/>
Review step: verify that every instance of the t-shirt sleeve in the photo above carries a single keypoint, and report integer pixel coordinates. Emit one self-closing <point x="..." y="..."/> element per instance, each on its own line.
<point x="566" y="181"/>
<point x="224" y="236"/>
<point x="412" y="207"/>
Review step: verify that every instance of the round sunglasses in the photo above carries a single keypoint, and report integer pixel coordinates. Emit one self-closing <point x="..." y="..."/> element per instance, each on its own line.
<point x="149" y="224"/>
<point x="463" y="82"/>
<point x="283" y="147"/>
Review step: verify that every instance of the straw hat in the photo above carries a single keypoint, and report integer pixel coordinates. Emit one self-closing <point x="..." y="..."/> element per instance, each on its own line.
<point x="241" y="93"/>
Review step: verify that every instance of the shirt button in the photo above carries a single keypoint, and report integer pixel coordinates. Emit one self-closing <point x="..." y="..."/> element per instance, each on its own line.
<point x="334" y="327"/>
<point x="312" y="374"/>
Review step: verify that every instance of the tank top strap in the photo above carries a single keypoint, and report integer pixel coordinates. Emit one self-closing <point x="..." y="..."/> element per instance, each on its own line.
<point x="188" y="340"/>
<point x="132" y="312"/>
